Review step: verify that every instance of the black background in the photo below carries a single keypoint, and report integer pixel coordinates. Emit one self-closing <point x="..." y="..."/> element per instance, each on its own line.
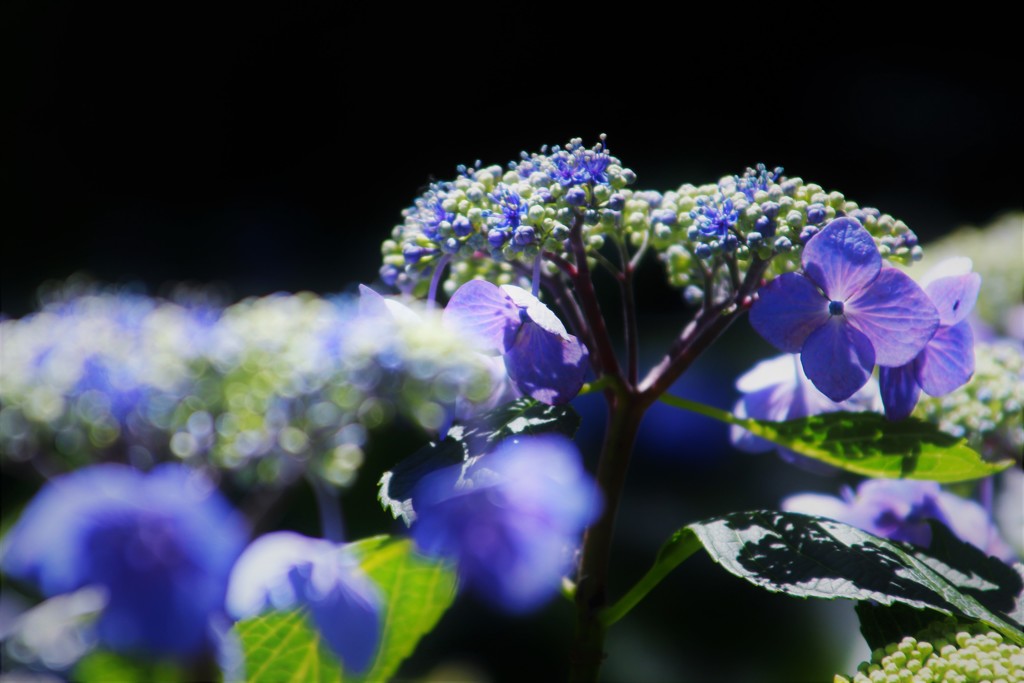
<point x="273" y="148"/>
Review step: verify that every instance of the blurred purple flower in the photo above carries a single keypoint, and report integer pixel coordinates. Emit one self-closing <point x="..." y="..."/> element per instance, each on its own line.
<point x="777" y="390"/>
<point x="160" y="545"/>
<point x="510" y="520"/>
<point x="947" y="360"/>
<point x="900" y="510"/>
<point x="543" y="360"/>
<point x="283" y="570"/>
<point x="844" y="312"/>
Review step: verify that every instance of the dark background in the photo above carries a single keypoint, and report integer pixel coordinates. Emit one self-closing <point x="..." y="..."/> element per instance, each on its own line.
<point x="269" y="149"/>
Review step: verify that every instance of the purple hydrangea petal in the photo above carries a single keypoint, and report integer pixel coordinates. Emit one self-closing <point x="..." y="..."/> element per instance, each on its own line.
<point x="896" y="315"/>
<point x="283" y="569"/>
<point x="900" y="390"/>
<point x="373" y="304"/>
<point x="787" y="310"/>
<point x="969" y="521"/>
<point x="947" y="362"/>
<point x="345" y="605"/>
<point x="546" y="366"/>
<point x="838" y="359"/>
<point x="484" y="310"/>
<point x="535" y="310"/>
<point x="954" y="297"/>
<point x="842" y="259"/>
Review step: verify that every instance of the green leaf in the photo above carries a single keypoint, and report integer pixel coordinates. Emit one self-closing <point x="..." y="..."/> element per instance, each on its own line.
<point x="103" y="666"/>
<point x="285" y="646"/>
<point x="812" y="557"/>
<point x="483" y="434"/>
<point x="418" y="591"/>
<point x="866" y="444"/>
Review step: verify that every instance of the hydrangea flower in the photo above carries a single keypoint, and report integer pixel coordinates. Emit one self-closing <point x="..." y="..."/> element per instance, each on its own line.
<point x="778" y="390"/>
<point x="159" y="545"/>
<point x="284" y="570"/>
<point x="844" y="312"/>
<point x="543" y="360"/>
<point x="947" y="360"/>
<point x="510" y="520"/>
<point x="900" y="509"/>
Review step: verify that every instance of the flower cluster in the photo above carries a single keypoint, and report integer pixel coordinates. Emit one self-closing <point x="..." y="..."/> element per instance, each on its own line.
<point x="758" y="214"/>
<point x="160" y="547"/>
<point x="510" y="520"/>
<point x="266" y="389"/>
<point x="945" y="651"/>
<point x="490" y="217"/>
<point x="900" y="510"/>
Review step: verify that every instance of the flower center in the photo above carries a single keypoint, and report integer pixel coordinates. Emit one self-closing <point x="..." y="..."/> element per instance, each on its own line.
<point x="835" y="307"/>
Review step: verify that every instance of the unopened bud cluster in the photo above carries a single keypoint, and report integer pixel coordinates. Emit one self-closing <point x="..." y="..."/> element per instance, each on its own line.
<point x="490" y="217"/>
<point x="989" y="410"/>
<point x="265" y="389"/>
<point x="759" y="214"/>
<point x="946" y="653"/>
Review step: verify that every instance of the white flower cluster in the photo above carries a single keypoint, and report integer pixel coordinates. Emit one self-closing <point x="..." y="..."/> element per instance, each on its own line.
<point x="945" y="653"/>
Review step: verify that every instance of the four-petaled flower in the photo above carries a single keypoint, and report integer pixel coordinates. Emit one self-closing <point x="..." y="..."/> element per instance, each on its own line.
<point x="543" y="360"/>
<point x="283" y="570"/>
<point x="947" y="360"/>
<point x="845" y="312"/>
<point x="159" y="545"/>
<point x="510" y="520"/>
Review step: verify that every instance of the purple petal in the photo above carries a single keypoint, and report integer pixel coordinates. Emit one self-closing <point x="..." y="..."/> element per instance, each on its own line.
<point x="545" y="365"/>
<point x="947" y="362"/>
<point x="896" y="315"/>
<point x="535" y="309"/>
<point x="900" y="390"/>
<point x="954" y="297"/>
<point x="345" y="606"/>
<point x="838" y="359"/>
<point x="969" y="521"/>
<point x="787" y="310"/>
<point x="842" y="259"/>
<point x="484" y="310"/>
<point x="259" y="580"/>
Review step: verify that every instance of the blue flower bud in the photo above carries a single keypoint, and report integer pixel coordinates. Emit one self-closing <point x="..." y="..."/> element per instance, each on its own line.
<point x="496" y="238"/>
<point x="770" y="209"/>
<point x="666" y="216"/>
<point x="703" y="251"/>
<point x="816" y="213"/>
<point x="462" y="226"/>
<point x="576" y="196"/>
<point x="616" y="202"/>
<point x="524" y="235"/>
<point x="783" y="244"/>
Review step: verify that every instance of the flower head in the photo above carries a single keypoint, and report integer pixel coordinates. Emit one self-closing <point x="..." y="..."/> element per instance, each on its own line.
<point x="543" y="360"/>
<point x="845" y="312"/>
<point x="160" y="545"/>
<point x="283" y="570"/>
<point x="900" y="510"/>
<point x="510" y="520"/>
<point x="947" y="360"/>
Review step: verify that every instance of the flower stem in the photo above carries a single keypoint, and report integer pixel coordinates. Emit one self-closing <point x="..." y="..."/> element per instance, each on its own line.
<point x="436" y="279"/>
<point x="329" y="506"/>
<point x="624" y="415"/>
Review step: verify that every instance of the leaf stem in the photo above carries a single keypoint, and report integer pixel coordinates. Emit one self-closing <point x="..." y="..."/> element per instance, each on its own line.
<point x="677" y="551"/>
